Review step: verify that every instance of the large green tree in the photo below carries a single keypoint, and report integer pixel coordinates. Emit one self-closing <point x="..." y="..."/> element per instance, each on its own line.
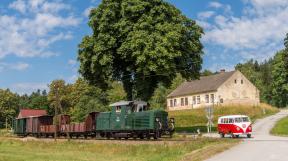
<point x="9" y="106"/>
<point x="141" y="43"/>
<point x="280" y="76"/>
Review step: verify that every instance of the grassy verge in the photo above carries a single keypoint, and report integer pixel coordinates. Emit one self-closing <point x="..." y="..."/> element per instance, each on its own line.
<point x="191" y="120"/>
<point x="17" y="150"/>
<point x="281" y="127"/>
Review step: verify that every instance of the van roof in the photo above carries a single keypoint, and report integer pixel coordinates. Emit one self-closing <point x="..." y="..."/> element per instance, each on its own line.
<point x="232" y="116"/>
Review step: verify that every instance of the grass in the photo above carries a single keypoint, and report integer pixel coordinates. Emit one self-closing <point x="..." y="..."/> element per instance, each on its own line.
<point x="192" y="150"/>
<point x="281" y="127"/>
<point x="191" y="120"/>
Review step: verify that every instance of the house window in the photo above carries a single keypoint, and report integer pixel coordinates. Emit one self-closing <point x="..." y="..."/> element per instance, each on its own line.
<point x="175" y="102"/>
<point x="198" y="100"/>
<point x="221" y="100"/>
<point x="212" y="98"/>
<point x="235" y="81"/>
<point x="182" y="101"/>
<point x="207" y="98"/>
<point x="186" y="101"/>
<point x="171" y="103"/>
<point x="194" y="100"/>
<point x="241" y="81"/>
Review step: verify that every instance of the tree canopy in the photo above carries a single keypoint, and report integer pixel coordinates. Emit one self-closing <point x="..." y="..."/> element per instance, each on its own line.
<point x="140" y="43"/>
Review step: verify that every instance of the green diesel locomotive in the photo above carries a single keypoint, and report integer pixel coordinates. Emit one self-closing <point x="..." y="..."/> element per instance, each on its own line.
<point x="132" y="119"/>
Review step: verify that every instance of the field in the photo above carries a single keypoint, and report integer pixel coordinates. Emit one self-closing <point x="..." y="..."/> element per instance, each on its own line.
<point x="184" y="149"/>
<point x="281" y="127"/>
<point x="190" y="120"/>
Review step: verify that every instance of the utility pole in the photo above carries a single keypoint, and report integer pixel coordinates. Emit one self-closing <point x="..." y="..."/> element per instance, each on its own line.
<point x="56" y="112"/>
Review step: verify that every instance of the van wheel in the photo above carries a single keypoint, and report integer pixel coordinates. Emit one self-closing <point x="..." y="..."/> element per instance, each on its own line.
<point x="237" y="136"/>
<point x="222" y="135"/>
<point x="249" y="135"/>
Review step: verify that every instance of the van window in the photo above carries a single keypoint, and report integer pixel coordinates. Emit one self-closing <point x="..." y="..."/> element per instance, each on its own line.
<point x="222" y="121"/>
<point x="231" y="120"/>
<point x="238" y="120"/>
<point x="245" y="119"/>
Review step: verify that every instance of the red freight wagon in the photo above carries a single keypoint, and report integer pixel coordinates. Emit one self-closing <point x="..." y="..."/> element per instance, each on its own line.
<point x="90" y="121"/>
<point x="234" y="125"/>
<point x="34" y="123"/>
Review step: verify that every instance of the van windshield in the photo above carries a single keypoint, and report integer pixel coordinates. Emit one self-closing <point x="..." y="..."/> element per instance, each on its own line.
<point x="242" y="119"/>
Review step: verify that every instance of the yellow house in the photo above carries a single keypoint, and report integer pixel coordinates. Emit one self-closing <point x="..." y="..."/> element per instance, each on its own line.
<point x="223" y="88"/>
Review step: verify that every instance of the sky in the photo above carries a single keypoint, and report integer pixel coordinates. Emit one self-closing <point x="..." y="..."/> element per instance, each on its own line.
<point x="39" y="38"/>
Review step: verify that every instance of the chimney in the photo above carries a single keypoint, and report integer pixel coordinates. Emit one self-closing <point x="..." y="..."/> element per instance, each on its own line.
<point x="222" y="71"/>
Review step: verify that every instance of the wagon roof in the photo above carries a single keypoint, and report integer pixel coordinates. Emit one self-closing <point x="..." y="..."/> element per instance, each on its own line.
<point x="24" y="113"/>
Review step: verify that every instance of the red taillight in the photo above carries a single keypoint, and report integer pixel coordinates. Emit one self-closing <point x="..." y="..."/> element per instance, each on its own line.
<point x="250" y="128"/>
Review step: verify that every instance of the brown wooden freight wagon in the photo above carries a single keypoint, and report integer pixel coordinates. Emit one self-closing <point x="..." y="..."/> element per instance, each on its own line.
<point x="34" y="123"/>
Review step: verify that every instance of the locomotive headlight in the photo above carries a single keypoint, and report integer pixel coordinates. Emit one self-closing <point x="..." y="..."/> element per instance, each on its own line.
<point x="157" y="119"/>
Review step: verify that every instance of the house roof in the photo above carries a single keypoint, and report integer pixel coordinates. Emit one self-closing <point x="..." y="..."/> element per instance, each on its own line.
<point x="24" y="113"/>
<point x="204" y="84"/>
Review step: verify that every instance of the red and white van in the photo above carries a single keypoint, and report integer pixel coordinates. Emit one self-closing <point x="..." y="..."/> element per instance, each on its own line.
<point x="234" y="125"/>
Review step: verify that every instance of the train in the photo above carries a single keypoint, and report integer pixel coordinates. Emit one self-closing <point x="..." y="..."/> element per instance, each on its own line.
<point x="128" y="119"/>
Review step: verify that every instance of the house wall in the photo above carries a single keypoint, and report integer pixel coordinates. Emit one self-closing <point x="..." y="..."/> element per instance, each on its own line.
<point x="230" y="92"/>
<point x="192" y="104"/>
<point x="238" y="90"/>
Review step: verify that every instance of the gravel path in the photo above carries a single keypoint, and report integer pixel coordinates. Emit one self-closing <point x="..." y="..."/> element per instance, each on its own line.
<point x="262" y="146"/>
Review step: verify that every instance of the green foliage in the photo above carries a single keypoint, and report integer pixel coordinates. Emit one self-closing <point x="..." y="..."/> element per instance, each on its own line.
<point x="9" y="106"/>
<point x="260" y="76"/>
<point x="141" y="43"/>
<point x="280" y="79"/>
<point x="85" y="99"/>
<point x="158" y="100"/>
<point x="116" y="92"/>
<point x="63" y="90"/>
<point x="281" y="127"/>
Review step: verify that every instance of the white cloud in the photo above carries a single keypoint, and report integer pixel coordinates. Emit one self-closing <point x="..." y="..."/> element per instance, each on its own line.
<point x="39" y="26"/>
<point x="13" y="66"/>
<point x="257" y="34"/>
<point x="72" y="62"/>
<point x="87" y="11"/>
<point x="28" y="88"/>
<point x="205" y="15"/>
<point x="215" y="4"/>
<point x="18" y="5"/>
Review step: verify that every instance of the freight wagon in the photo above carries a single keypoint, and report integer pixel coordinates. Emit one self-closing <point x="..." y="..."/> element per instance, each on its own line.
<point x="128" y="119"/>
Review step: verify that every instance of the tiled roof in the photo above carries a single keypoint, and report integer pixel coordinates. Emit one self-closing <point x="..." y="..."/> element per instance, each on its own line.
<point x="204" y="84"/>
<point x="24" y="113"/>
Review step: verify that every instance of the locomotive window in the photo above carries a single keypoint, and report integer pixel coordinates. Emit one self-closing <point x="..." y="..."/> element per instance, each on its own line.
<point x="118" y="109"/>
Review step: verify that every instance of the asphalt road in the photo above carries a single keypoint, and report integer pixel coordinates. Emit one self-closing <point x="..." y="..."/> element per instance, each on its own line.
<point x="262" y="146"/>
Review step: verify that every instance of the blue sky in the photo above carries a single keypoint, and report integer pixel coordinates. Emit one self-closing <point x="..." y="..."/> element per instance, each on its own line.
<point x="39" y="38"/>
